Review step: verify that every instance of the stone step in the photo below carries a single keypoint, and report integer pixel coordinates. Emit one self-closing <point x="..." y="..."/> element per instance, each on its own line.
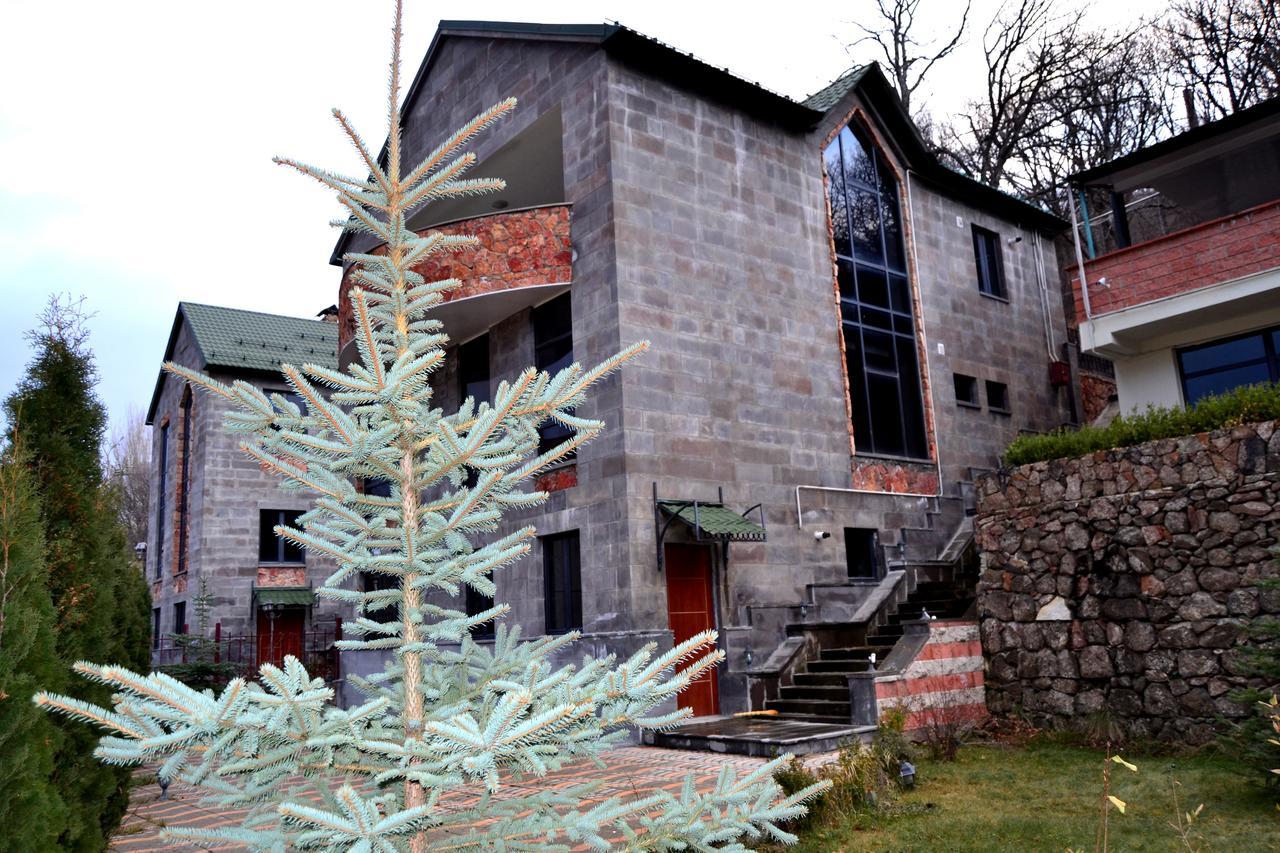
<point x="816" y="666"/>
<point x="854" y="652"/>
<point x="826" y="693"/>
<point x="763" y="736"/>
<point x="820" y="679"/>
<point x="811" y="708"/>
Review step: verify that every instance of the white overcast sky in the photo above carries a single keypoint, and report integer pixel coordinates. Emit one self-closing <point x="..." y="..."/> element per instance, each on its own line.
<point x="136" y="139"/>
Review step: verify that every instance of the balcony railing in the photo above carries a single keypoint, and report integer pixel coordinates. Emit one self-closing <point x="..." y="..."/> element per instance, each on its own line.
<point x="1202" y="255"/>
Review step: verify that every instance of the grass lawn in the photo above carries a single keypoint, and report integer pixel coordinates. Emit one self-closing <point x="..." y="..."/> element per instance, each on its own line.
<point x="1044" y="796"/>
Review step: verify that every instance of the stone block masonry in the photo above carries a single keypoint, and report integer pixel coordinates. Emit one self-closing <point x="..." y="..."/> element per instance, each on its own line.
<point x="1123" y="582"/>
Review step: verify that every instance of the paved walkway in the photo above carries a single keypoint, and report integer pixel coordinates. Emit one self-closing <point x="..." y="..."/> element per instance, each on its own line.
<point x="629" y="771"/>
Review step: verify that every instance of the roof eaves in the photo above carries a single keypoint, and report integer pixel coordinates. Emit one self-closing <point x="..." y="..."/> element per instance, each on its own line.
<point x="1187" y="139"/>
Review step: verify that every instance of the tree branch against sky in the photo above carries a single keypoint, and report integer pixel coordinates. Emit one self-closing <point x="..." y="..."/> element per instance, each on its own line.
<point x="1227" y="52"/>
<point x="907" y="60"/>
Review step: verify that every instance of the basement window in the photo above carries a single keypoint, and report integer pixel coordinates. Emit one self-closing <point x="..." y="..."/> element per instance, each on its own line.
<point x="966" y="391"/>
<point x="862" y="552"/>
<point x="998" y="397"/>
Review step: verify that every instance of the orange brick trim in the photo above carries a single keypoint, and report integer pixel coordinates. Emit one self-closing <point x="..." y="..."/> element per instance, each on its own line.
<point x="557" y="480"/>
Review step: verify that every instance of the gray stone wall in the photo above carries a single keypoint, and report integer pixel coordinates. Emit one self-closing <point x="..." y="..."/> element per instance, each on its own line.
<point x="227" y="490"/>
<point x="1122" y="582"/>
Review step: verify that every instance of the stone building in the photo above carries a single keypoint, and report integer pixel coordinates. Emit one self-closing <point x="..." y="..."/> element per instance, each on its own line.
<point x="842" y="331"/>
<point x="1183" y="261"/>
<point x="213" y="510"/>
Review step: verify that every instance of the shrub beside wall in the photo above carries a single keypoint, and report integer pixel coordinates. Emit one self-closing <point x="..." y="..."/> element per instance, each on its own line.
<point x="1121" y="582"/>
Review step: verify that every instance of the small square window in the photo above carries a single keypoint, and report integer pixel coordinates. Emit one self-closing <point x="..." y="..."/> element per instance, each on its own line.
<point x="966" y="391"/>
<point x="861" y="548"/>
<point x="998" y="397"/>
<point x="990" y="260"/>
<point x="272" y="548"/>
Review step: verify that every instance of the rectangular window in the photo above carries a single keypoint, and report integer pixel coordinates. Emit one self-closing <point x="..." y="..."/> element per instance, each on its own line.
<point x="291" y="396"/>
<point x="272" y="548"/>
<point x="862" y="552"/>
<point x="998" y="397"/>
<point x="876" y="310"/>
<point x="552" y="352"/>
<point x="184" y="481"/>
<point x="473" y="382"/>
<point x="1221" y="366"/>
<point x="155" y="627"/>
<point x="373" y="581"/>
<point x="160" y="503"/>
<point x="966" y="391"/>
<point x="986" y="250"/>
<point x="180" y="617"/>
<point x="562" y="582"/>
<point x="476" y="602"/>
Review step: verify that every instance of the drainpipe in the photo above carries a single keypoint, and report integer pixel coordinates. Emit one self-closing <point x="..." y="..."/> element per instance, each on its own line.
<point x="1084" y="281"/>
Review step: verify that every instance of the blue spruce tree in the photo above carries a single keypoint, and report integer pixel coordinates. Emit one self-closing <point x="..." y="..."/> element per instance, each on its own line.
<point x="446" y="713"/>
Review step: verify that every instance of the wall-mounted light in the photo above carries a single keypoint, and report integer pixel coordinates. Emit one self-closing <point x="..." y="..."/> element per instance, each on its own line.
<point x="1015" y="240"/>
<point x="500" y="204"/>
<point x="821" y="534"/>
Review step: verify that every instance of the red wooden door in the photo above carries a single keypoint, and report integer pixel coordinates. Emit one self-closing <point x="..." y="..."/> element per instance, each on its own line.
<point x="280" y="636"/>
<point x="691" y="609"/>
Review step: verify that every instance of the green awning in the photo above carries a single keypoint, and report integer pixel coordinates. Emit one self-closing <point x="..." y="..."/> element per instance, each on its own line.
<point x="714" y="521"/>
<point x="285" y="596"/>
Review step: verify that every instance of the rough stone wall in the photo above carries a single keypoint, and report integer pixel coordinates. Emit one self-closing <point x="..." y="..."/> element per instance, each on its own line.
<point x="1123" y="581"/>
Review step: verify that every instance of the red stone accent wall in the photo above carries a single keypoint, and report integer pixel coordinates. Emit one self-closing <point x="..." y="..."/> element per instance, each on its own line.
<point x="883" y="475"/>
<point x="1210" y="253"/>
<point x="560" y="478"/>
<point x="281" y="576"/>
<point x="945" y="684"/>
<point x="517" y="249"/>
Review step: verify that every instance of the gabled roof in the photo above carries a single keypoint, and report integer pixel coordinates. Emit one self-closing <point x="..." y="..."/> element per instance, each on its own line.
<point x="1204" y="134"/>
<point x="661" y="60"/>
<point x="249" y="341"/>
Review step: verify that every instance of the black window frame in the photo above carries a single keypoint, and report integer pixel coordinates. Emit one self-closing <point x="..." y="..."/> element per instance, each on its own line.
<point x="553" y="351"/>
<point x="1270" y="337"/>
<point x="184" y="479"/>
<point x="267" y="521"/>
<point x="475" y="380"/>
<point x="963" y="382"/>
<point x="155" y="627"/>
<point x="988" y="256"/>
<point x="161" y="500"/>
<point x="877" y="311"/>
<point x="998" y="391"/>
<point x="562" y="582"/>
<point x="180" y="618"/>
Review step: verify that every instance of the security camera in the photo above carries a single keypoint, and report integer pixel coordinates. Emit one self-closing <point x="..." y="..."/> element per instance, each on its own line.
<point x="1015" y="240"/>
<point x="821" y="534"/>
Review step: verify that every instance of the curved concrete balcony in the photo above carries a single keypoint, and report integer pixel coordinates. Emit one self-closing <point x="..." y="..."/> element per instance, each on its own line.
<point x="524" y="258"/>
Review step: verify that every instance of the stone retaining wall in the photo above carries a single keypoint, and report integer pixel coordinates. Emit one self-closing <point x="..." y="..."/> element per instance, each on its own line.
<point x="1123" y="581"/>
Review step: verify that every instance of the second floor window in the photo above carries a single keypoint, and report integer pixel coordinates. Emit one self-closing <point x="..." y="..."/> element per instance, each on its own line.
<point x="552" y="352"/>
<point x="876" y="309"/>
<point x="990" y="260"/>
<point x="273" y="548"/>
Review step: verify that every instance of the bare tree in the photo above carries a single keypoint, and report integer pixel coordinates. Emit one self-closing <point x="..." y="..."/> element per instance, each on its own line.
<point x="907" y="59"/>
<point x="1227" y="52"/>
<point x="128" y="469"/>
<point x="1116" y="103"/>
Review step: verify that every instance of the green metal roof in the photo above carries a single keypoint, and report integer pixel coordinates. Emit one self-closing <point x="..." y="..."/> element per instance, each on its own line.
<point x="287" y="596"/>
<point x="250" y="340"/>
<point x="830" y="95"/>
<point x="714" y="521"/>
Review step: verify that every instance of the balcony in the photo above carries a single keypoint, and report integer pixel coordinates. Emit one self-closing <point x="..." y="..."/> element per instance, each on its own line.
<point x="524" y="258"/>
<point x="1230" y="249"/>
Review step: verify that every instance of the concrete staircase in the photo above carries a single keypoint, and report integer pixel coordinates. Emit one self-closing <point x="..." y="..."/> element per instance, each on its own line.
<point x="819" y="688"/>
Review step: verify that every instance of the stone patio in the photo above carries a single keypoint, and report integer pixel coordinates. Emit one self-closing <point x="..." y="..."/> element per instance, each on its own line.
<point x="629" y="771"/>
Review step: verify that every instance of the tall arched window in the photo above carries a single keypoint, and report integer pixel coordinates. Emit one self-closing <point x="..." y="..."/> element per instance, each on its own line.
<point x="875" y="299"/>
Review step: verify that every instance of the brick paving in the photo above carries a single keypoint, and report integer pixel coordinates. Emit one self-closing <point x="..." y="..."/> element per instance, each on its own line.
<point x="628" y="772"/>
